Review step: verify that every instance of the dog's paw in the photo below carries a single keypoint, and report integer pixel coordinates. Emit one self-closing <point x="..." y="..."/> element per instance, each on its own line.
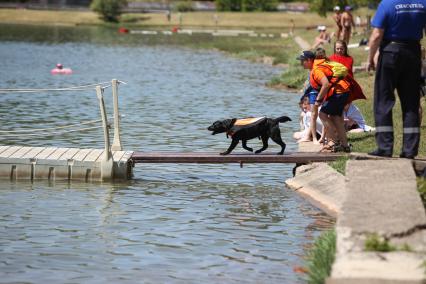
<point x="224" y="153"/>
<point x="258" y="151"/>
<point x="280" y="153"/>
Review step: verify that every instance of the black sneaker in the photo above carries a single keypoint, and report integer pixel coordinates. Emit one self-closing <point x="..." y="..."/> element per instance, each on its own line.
<point x="380" y="153"/>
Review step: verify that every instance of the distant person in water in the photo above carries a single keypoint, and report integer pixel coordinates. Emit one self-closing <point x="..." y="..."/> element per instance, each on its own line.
<point x="60" y="70"/>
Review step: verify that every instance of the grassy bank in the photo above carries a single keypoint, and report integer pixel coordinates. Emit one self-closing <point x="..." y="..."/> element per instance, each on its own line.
<point x="278" y="21"/>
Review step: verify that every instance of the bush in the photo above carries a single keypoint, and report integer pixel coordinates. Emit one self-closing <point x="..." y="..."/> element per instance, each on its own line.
<point x="259" y="5"/>
<point x="184" y="6"/>
<point x="110" y="10"/>
<point x="228" y="5"/>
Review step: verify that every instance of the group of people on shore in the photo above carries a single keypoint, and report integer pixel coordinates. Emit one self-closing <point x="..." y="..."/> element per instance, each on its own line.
<point x="345" y="26"/>
<point x="395" y="53"/>
<point x="327" y="112"/>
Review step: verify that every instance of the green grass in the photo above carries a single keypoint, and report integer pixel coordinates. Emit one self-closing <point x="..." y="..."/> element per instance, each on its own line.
<point x="321" y="257"/>
<point x="421" y="187"/>
<point x="376" y="243"/>
<point x="340" y="164"/>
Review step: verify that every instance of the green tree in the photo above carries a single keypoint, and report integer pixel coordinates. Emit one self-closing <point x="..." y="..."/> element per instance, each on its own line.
<point x="110" y="10"/>
<point x="259" y="5"/>
<point x="228" y="5"/>
<point x="324" y="6"/>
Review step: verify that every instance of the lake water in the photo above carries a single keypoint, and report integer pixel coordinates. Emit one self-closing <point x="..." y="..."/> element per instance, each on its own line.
<point x="171" y="223"/>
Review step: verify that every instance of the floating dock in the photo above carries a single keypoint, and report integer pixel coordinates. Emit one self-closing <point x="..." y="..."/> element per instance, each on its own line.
<point x="35" y="163"/>
<point x="51" y="163"/>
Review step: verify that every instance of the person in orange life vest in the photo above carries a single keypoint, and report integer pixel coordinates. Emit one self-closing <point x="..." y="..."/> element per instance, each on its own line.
<point x="333" y="95"/>
<point x="313" y="93"/>
<point x="341" y="55"/>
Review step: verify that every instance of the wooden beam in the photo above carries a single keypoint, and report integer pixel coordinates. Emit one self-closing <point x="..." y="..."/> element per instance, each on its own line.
<point x="216" y="158"/>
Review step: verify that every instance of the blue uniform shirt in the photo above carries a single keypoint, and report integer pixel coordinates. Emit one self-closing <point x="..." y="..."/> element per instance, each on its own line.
<point x="401" y="19"/>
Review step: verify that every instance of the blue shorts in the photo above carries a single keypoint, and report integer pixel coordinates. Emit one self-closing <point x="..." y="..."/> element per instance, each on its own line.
<point x="335" y="104"/>
<point x="312" y="97"/>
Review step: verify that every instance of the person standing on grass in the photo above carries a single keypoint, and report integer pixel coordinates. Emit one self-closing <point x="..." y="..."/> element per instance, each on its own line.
<point x="337" y="19"/>
<point x="347" y="22"/>
<point x="397" y="30"/>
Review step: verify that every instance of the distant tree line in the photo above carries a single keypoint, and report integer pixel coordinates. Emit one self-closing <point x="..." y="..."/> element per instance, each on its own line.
<point x="246" y="5"/>
<point x="319" y="6"/>
<point x="110" y="10"/>
<point x="324" y="6"/>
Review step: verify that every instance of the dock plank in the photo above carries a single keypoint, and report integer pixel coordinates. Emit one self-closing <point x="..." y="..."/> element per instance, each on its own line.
<point x="58" y="152"/>
<point x="215" y="158"/>
<point x="4" y="148"/>
<point x="126" y="157"/>
<point x="45" y="153"/>
<point x="10" y="151"/>
<point x="81" y="154"/>
<point x="33" y="152"/>
<point x="69" y="154"/>
<point x="93" y="155"/>
<point x="117" y="155"/>
<point x="20" y="153"/>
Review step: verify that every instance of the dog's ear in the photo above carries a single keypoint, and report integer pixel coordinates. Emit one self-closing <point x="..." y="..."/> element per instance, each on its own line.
<point x="228" y="123"/>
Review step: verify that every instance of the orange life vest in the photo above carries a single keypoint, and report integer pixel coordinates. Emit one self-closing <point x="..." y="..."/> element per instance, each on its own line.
<point x="339" y="85"/>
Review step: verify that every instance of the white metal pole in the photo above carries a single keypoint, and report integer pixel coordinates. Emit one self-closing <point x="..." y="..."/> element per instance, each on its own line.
<point x="107" y="162"/>
<point x="116" y="144"/>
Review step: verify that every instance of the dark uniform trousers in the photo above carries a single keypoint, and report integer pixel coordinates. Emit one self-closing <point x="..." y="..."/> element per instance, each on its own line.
<point x="398" y="68"/>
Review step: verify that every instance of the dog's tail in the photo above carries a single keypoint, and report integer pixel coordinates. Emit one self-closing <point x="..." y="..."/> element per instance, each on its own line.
<point x="282" y="119"/>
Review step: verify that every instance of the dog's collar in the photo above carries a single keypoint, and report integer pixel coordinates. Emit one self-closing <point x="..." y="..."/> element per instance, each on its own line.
<point x="229" y="133"/>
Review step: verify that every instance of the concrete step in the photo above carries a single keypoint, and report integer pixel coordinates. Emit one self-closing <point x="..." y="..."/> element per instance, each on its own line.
<point x="381" y="199"/>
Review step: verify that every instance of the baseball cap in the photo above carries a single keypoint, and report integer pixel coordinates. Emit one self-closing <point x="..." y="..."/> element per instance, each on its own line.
<point x="348" y="8"/>
<point x="336" y="8"/>
<point x="306" y="54"/>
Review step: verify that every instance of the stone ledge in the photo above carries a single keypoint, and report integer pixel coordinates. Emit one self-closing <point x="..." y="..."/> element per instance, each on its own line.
<point x="378" y="268"/>
<point x="321" y="185"/>
<point x="377" y="196"/>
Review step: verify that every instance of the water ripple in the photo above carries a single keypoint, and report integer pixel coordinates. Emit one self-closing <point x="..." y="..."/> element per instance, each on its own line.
<point x="172" y="223"/>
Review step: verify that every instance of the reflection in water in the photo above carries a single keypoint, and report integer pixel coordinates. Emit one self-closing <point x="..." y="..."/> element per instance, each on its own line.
<point x="172" y="223"/>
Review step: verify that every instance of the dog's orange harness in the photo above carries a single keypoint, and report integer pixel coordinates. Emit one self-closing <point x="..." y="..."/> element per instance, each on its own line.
<point x="244" y="122"/>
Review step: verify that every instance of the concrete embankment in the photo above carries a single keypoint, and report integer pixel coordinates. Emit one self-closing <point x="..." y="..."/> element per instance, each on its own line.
<point x="377" y="199"/>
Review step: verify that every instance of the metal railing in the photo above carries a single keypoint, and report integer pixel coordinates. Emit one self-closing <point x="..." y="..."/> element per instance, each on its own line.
<point x="107" y="161"/>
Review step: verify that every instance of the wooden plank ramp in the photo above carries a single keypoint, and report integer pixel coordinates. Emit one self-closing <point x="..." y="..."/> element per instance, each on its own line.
<point x="216" y="158"/>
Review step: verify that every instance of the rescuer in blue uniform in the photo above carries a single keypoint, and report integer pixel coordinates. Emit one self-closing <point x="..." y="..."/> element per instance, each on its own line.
<point x="398" y="27"/>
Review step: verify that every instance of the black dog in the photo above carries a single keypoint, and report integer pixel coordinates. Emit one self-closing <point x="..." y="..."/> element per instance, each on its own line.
<point x="249" y="128"/>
